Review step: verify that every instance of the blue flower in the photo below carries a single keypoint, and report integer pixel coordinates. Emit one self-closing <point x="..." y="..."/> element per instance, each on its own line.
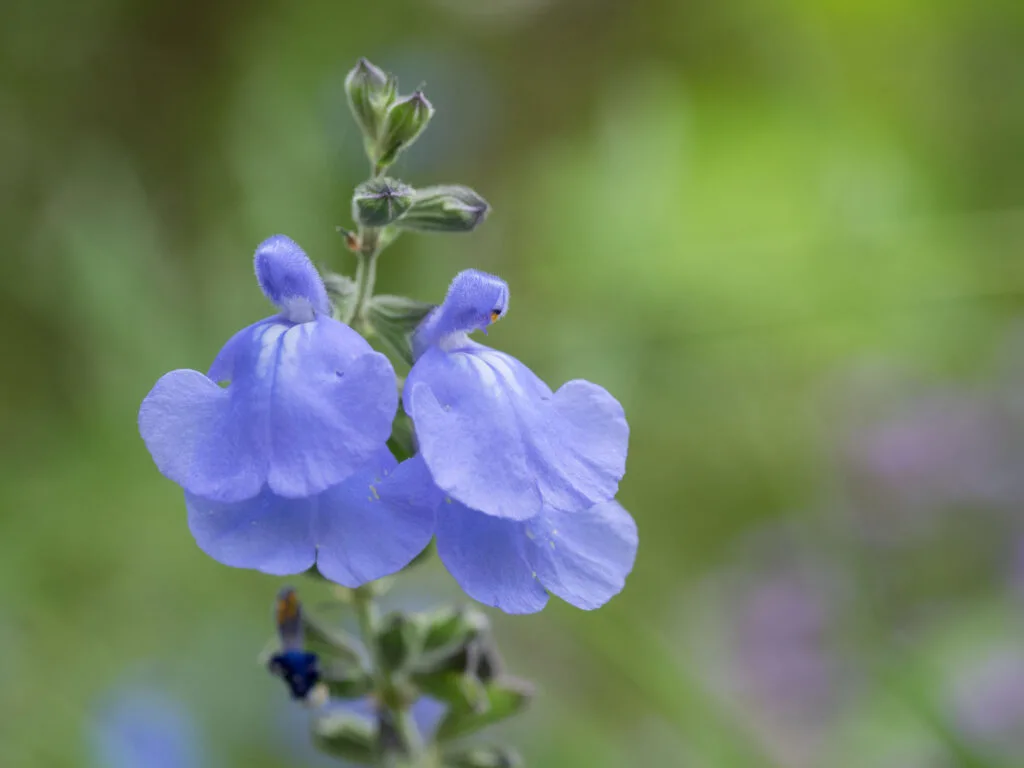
<point x="144" y="729"/>
<point x="286" y="466"/>
<point x="369" y="526"/>
<point x="528" y="475"/>
<point x="307" y="404"/>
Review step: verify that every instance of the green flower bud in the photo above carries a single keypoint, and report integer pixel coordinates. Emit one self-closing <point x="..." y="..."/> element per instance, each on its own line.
<point x="405" y="121"/>
<point x="378" y="202"/>
<point x="447" y="208"/>
<point x="370" y="92"/>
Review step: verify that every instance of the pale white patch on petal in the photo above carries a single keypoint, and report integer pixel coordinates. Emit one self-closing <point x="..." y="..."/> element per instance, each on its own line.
<point x="483" y="371"/>
<point x="298" y="309"/>
<point x="290" y="344"/>
<point x="267" y="338"/>
<point x="500" y="365"/>
<point x="454" y="341"/>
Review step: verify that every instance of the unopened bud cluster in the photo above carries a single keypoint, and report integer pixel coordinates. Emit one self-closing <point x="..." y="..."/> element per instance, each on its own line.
<point x="390" y="123"/>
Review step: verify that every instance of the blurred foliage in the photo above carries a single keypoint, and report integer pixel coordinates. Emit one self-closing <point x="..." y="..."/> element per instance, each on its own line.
<point x="732" y="215"/>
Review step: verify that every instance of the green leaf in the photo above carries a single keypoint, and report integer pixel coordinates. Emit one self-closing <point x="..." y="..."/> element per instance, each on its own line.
<point x="345" y="735"/>
<point x="315" y="574"/>
<point x="386" y="237"/>
<point x="452" y="641"/>
<point x="402" y="442"/>
<point x="346" y="682"/>
<point x="393" y="319"/>
<point x="379" y="587"/>
<point x="330" y="642"/>
<point x="400" y="309"/>
<point x="397" y="739"/>
<point x="456" y="689"/>
<point x="483" y="658"/>
<point x="482" y="757"/>
<point x="501" y="700"/>
<point x="399" y="640"/>
<point x="472" y="652"/>
<point x="449" y="625"/>
<point x="342" y="292"/>
<point x="428" y="552"/>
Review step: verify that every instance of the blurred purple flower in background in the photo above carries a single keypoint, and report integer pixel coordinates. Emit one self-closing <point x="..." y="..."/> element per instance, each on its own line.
<point x="770" y="628"/>
<point x="929" y="469"/>
<point x="1017" y="568"/>
<point x="934" y="453"/>
<point x="915" y="457"/>
<point x="142" y="728"/>
<point x="781" y="641"/>
<point x="986" y="702"/>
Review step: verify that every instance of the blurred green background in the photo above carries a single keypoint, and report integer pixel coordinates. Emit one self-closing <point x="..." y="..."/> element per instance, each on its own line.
<point x="786" y="235"/>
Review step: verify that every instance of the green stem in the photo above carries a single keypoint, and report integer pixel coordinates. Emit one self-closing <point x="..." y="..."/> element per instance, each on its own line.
<point x="366" y="272"/>
<point x="386" y="694"/>
<point x="366" y="615"/>
<point x="366" y="266"/>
